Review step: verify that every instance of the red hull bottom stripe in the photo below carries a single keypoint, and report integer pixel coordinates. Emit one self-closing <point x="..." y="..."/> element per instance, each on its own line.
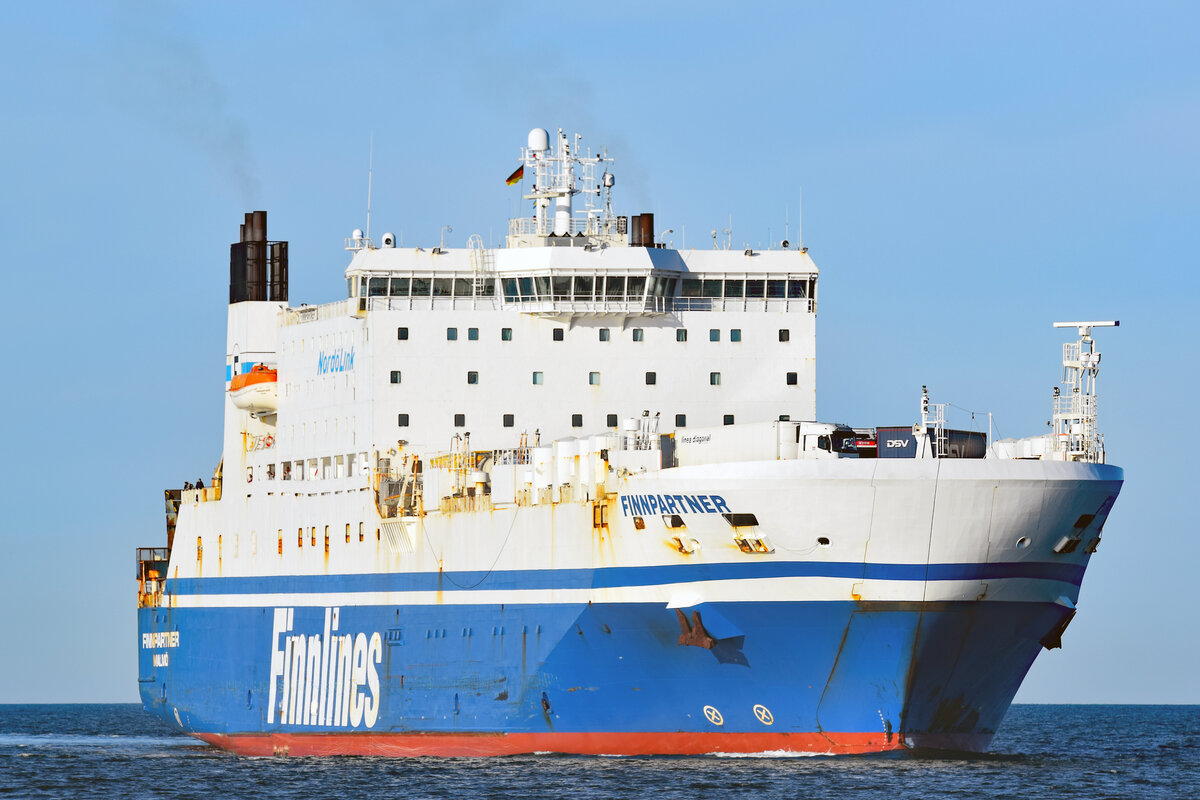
<point x="503" y="744"/>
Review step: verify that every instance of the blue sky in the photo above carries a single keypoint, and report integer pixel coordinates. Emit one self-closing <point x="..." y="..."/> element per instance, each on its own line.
<point x="969" y="174"/>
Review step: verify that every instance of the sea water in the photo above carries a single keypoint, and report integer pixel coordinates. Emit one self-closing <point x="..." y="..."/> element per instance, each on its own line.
<point x="94" y="751"/>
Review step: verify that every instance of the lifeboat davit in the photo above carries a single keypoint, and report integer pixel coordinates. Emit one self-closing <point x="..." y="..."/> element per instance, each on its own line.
<point x="256" y="391"/>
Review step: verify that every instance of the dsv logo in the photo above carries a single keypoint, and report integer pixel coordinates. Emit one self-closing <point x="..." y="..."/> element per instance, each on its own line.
<point x="897" y="442"/>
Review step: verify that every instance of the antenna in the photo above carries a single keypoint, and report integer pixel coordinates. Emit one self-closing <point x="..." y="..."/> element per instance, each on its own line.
<point x="370" y="169"/>
<point x="786" y="225"/>
<point x="800" y="220"/>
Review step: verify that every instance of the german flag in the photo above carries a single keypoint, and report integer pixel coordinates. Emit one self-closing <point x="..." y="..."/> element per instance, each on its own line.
<point x="518" y="173"/>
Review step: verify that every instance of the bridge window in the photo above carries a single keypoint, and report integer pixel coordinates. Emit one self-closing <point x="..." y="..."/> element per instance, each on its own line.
<point x="562" y="287"/>
<point x="756" y="287"/>
<point x="776" y="288"/>
<point x="614" y="287"/>
<point x="734" y="288"/>
<point x="442" y="287"/>
<point x="463" y="288"/>
<point x="690" y="288"/>
<point x="797" y="289"/>
<point x="378" y="287"/>
<point x="583" y="287"/>
<point x="399" y="287"/>
<point x="420" y="287"/>
<point x="636" y="288"/>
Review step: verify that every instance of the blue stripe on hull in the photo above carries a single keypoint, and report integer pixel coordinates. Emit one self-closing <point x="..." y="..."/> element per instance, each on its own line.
<point x="612" y="577"/>
<point x="834" y="666"/>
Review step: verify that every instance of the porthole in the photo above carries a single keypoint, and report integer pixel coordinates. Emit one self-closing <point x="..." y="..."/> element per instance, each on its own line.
<point x="823" y="541"/>
<point x="1023" y="542"/>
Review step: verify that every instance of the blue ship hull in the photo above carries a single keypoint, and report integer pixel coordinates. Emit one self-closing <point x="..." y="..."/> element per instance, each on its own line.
<point x="615" y="678"/>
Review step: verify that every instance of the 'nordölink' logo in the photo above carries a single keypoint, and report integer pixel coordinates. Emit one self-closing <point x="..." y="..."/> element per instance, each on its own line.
<point x="327" y="679"/>
<point x="337" y="361"/>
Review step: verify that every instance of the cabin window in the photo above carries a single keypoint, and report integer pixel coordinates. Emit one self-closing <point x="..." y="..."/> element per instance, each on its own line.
<point x="537" y="379"/>
<point x="312" y="535"/>
<point x="638" y="335"/>
<point x="395" y="376"/>
<point x="472" y="378"/>
<point x="714" y="334"/>
<point x="360" y="531"/>
<point x="681" y="420"/>
<point x="508" y="420"/>
<point x="735" y="335"/>
<point x="280" y="534"/>
<point x="577" y="420"/>
<point x="506" y="334"/>
<point x="681" y="335"/>
<point x="402" y="420"/>
<point x="605" y="334"/>
<point x="728" y="419"/>
<point x="299" y="537"/>
<point x="402" y="334"/>
<point x="785" y="417"/>
<point x="451" y="334"/>
<point x="611" y="421"/>
<point x="326" y="540"/>
<point x="785" y="335"/>
<point x="557" y="335"/>
<point x="347" y="533"/>
<point x="651" y="378"/>
<point x="593" y="378"/>
<point x="792" y="378"/>
<point x="473" y="334"/>
<point x="460" y="420"/>
<point x="714" y="379"/>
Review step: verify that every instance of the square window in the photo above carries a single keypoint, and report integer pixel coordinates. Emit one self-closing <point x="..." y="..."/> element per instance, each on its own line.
<point x="785" y="417"/>
<point x="681" y="334"/>
<point x="785" y="335"/>
<point x="395" y="376"/>
<point x="681" y="420"/>
<point x="735" y="335"/>
<point x="714" y="379"/>
<point x="792" y="379"/>
<point x="460" y="420"/>
<point x="714" y="334"/>
<point x="506" y="334"/>
<point x="651" y="378"/>
<point x="558" y="334"/>
<point x="473" y="334"/>
<point x="605" y="334"/>
<point x="593" y="378"/>
<point x="402" y="334"/>
<point x="472" y="378"/>
<point x="612" y="421"/>
<point x="537" y="379"/>
<point x="508" y="420"/>
<point x="402" y="420"/>
<point x="451" y="334"/>
<point x="639" y="335"/>
<point x="729" y="419"/>
<point x="577" y="420"/>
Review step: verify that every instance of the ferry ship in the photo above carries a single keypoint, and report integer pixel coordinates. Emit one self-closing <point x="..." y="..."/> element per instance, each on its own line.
<point x="570" y="495"/>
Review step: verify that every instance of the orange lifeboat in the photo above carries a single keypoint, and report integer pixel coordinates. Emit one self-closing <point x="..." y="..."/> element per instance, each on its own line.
<point x="256" y="391"/>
